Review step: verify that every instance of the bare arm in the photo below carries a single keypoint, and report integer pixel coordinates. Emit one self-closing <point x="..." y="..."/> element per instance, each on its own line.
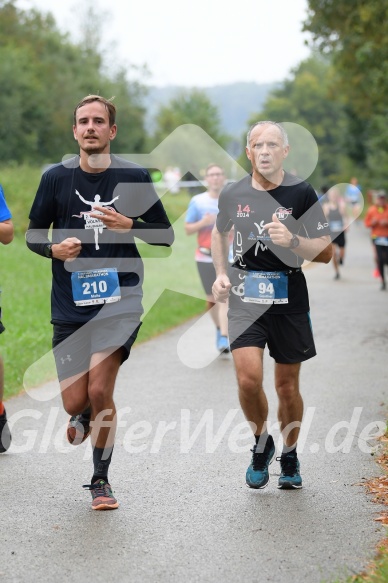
<point x="207" y="220"/>
<point x="6" y="232"/>
<point x="318" y="250"/>
<point x="220" y="251"/>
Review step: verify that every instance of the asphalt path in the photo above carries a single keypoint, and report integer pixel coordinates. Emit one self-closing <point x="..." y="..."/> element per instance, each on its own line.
<point x="182" y="449"/>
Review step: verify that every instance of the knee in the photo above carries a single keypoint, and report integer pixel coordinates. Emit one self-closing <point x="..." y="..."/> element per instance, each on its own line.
<point x="248" y="385"/>
<point x="74" y="407"/>
<point x="98" y="397"/>
<point x="287" y="391"/>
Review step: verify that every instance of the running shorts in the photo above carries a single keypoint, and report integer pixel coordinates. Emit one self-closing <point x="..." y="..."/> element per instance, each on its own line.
<point x="207" y="273"/>
<point x="289" y="337"/>
<point x="74" y="343"/>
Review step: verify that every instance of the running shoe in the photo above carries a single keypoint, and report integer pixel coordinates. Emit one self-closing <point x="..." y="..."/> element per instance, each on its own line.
<point x="290" y="477"/>
<point x="102" y="495"/>
<point x="223" y="344"/>
<point x="376" y="274"/>
<point x="257" y="475"/>
<point x="78" y="428"/>
<point x="5" y="433"/>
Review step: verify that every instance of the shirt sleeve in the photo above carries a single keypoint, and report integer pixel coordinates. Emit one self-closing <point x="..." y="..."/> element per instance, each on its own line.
<point x="313" y="223"/>
<point x="43" y="208"/>
<point x="5" y="213"/>
<point x="223" y="223"/>
<point x="192" y="215"/>
<point x="154" y="227"/>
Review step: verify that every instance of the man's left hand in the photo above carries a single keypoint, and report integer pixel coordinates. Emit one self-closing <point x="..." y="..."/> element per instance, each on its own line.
<point x="278" y="232"/>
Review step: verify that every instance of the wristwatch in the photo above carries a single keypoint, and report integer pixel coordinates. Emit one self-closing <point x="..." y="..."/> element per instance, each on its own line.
<point x="48" y="251"/>
<point x="294" y="242"/>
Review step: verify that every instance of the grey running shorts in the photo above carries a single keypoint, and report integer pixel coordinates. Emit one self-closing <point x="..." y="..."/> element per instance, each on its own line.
<point x="73" y="344"/>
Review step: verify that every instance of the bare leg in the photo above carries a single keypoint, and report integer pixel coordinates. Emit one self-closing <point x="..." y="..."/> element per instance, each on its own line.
<point x="249" y="369"/>
<point x="290" y="411"/>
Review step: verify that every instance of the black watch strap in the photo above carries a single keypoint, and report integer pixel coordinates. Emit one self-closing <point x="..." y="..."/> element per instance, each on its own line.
<point x="48" y="251"/>
<point x="294" y="242"/>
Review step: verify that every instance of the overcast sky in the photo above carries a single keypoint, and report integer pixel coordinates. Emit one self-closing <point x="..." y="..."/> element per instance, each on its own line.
<point x="199" y="43"/>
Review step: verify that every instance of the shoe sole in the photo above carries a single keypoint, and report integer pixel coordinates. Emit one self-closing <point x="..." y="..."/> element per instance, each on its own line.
<point x="76" y="439"/>
<point x="288" y="486"/>
<point x="106" y="506"/>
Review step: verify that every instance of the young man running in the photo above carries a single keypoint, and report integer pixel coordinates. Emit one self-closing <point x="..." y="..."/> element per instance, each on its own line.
<point x="94" y="203"/>
<point x="278" y="223"/>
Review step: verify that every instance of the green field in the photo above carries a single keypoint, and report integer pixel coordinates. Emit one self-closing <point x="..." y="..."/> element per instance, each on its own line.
<point x="172" y="290"/>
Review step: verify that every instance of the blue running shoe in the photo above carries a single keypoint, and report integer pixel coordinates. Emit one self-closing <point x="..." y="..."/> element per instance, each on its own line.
<point x="290" y="477"/>
<point x="257" y="475"/>
<point x="223" y="344"/>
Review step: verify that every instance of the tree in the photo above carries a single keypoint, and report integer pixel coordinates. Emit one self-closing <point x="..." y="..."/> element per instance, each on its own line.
<point x="43" y="74"/>
<point x="187" y="148"/>
<point x="355" y="33"/>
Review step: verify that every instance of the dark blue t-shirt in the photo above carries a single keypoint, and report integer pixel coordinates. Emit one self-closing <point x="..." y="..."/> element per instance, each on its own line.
<point x="64" y="200"/>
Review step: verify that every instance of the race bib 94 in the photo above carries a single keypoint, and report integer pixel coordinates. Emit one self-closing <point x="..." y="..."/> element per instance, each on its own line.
<point x="266" y="287"/>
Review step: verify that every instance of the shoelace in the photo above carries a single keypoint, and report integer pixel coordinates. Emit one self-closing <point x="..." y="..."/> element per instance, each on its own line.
<point x="260" y="459"/>
<point x="99" y="489"/>
<point x="288" y="463"/>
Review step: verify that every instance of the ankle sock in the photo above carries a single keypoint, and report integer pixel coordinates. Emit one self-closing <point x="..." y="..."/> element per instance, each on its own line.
<point x="287" y="450"/>
<point x="95" y="478"/>
<point x="263" y="440"/>
<point x="2" y="408"/>
<point x="102" y="457"/>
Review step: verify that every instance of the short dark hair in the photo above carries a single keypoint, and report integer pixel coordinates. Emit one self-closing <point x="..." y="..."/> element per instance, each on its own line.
<point x="110" y="107"/>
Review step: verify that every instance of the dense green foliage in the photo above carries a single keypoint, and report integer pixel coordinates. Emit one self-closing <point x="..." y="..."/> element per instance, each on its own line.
<point x="354" y="35"/>
<point x="42" y="76"/>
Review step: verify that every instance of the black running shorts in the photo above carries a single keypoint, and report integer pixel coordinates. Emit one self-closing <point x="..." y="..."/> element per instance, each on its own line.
<point x="73" y="344"/>
<point x="289" y="337"/>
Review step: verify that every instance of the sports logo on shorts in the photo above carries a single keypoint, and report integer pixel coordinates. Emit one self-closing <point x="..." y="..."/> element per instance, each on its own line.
<point x="282" y="213"/>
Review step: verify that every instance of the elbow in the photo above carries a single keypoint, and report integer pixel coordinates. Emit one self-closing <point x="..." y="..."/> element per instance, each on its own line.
<point x="327" y="253"/>
<point x="171" y="237"/>
<point x="168" y="237"/>
<point x="8" y="239"/>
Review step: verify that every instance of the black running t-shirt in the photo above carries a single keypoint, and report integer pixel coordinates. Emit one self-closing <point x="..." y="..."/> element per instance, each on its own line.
<point x="296" y="204"/>
<point x="64" y="200"/>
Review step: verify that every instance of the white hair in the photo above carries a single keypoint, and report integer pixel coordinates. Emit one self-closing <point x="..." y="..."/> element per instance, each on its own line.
<point x="274" y="123"/>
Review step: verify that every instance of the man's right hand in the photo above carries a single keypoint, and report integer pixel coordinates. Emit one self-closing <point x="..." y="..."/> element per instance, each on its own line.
<point x="67" y="250"/>
<point x="221" y="288"/>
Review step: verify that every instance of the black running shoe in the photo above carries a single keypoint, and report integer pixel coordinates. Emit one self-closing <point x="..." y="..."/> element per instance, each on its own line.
<point x="5" y="433"/>
<point x="290" y="477"/>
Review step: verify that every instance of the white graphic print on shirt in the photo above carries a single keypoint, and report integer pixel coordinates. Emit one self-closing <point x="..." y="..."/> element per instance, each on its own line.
<point x="92" y="222"/>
